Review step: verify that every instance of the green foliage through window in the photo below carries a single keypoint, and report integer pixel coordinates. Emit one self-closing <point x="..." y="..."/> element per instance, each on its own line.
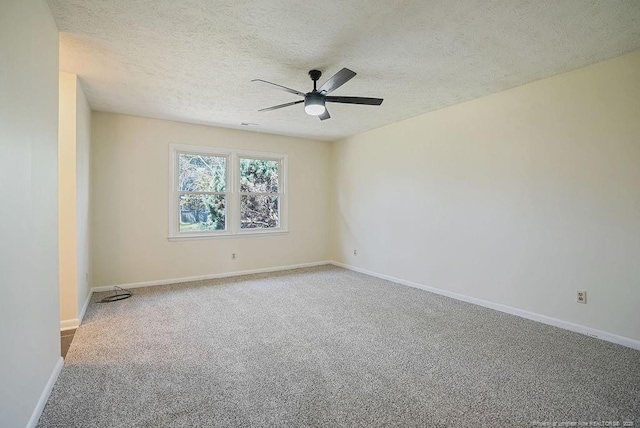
<point x="206" y="175"/>
<point x="259" y="187"/>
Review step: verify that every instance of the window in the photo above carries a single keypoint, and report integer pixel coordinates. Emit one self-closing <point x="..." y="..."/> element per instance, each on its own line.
<point x="259" y="193"/>
<point x="219" y="192"/>
<point x="202" y="192"/>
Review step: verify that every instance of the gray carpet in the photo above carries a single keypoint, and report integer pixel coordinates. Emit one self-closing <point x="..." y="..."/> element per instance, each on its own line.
<point x="330" y="347"/>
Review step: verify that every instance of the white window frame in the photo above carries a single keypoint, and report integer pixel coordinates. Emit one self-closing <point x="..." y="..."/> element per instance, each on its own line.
<point x="232" y="215"/>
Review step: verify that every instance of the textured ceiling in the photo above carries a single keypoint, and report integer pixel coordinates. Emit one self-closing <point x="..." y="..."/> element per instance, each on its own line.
<point x="193" y="60"/>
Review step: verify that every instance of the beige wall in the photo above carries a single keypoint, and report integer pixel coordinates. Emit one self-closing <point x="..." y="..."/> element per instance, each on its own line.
<point x="67" y="241"/>
<point x="73" y="198"/>
<point x="130" y="191"/>
<point x="520" y="198"/>
<point x="29" y="308"/>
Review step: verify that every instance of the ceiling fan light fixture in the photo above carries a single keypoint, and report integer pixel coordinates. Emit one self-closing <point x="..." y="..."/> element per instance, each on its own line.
<point x="314" y="104"/>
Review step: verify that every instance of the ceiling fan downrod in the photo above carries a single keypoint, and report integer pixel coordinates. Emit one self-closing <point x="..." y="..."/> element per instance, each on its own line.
<point x="315" y="75"/>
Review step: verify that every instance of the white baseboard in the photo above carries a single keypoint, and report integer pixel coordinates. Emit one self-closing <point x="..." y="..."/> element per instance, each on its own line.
<point x="85" y="306"/>
<point x="210" y="276"/>
<point x="69" y="324"/>
<point x="75" y="322"/>
<point x="35" y="416"/>
<point x="609" y="337"/>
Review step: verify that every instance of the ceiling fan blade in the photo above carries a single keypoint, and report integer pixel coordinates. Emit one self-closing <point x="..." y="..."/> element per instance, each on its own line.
<point x="355" y="100"/>
<point x="337" y="80"/>
<point x="281" y="106"/>
<point x="284" y="88"/>
<point x="325" y="115"/>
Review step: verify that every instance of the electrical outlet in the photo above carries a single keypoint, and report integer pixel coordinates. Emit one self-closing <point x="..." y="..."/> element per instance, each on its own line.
<point x="581" y="296"/>
<point x="355" y="252"/>
<point x="233" y="256"/>
<point x="86" y="276"/>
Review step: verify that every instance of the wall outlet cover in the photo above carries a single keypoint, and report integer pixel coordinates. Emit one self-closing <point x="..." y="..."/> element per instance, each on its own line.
<point x="581" y="296"/>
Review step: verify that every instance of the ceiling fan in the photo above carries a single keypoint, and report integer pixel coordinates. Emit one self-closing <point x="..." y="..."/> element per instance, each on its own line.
<point x="314" y="101"/>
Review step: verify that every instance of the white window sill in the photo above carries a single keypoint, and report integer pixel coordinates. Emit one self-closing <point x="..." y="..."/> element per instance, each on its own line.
<point x="252" y="234"/>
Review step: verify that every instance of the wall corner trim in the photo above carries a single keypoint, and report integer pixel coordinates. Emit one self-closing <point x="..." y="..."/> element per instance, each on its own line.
<point x="577" y="328"/>
<point x="44" y="397"/>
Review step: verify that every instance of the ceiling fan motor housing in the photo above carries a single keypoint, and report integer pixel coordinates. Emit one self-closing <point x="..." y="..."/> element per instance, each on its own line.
<point x="314" y="103"/>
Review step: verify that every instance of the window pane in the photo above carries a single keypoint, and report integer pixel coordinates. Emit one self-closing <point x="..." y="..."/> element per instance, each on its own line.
<point x="202" y="212"/>
<point x="259" y="211"/>
<point x="200" y="173"/>
<point x="259" y="175"/>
